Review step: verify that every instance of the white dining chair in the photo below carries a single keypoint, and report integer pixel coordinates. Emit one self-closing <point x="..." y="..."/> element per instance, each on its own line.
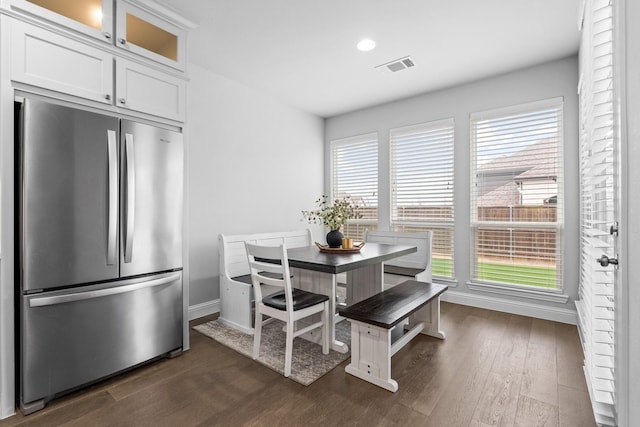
<point x="270" y="265"/>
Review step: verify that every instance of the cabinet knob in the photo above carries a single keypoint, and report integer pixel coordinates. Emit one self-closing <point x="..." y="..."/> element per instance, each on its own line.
<point x="122" y="101"/>
<point x="107" y="35"/>
<point x="107" y="97"/>
<point x="122" y="41"/>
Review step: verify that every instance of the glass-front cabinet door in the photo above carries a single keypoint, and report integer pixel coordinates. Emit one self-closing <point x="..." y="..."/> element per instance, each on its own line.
<point x="144" y="33"/>
<point x="91" y="17"/>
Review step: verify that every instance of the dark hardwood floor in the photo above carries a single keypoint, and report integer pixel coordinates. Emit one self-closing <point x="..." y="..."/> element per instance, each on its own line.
<point x="494" y="369"/>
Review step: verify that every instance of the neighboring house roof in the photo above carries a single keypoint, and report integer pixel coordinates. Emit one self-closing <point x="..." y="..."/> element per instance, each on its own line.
<point x="541" y="171"/>
<point x="506" y="195"/>
<point x="502" y="174"/>
<point x="540" y="154"/>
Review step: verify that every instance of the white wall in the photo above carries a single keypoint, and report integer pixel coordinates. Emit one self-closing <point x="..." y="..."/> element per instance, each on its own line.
<point x="558" y="78"/>
<point x="254" y="163"/>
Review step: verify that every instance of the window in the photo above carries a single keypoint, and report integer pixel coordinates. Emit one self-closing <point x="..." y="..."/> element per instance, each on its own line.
<point x="516" y="195"/>
<point x="422" y="186"/>
<point x="354" y="173"/>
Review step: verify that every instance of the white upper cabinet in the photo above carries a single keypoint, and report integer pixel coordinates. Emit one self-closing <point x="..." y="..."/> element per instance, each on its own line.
<point x="144" y="89"/>
<point x="138" y="65"/>
<point x="145" y="33"/>
<point x="51" y="61"/>
<point x="91" y="17"/>
<point x="141" y="27"/>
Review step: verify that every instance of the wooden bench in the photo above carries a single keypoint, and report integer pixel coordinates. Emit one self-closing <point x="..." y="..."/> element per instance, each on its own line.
<point x="236" y="293"/>
<point x="416" y="266"/>
<point x="372" y="321"/>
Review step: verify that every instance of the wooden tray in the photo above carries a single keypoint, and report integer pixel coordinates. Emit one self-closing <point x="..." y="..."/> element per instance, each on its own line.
<point x="327" y="249"/>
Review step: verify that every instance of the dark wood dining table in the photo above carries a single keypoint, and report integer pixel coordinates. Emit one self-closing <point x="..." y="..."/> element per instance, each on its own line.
<point x="318" y="272"/>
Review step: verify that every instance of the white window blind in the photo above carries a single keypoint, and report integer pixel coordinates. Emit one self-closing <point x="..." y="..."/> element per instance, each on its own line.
<point x="596" y="307"/>
<point x="422" y="186"/>
<point x="354" y="174"/>
<point x="516" y="195"/>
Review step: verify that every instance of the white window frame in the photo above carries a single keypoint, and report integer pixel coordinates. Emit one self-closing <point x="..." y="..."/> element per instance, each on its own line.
<point x="545" y="294"/>
<point x="435" y="141"/>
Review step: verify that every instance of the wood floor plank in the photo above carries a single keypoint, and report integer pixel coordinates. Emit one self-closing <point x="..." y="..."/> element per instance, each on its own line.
<point x="498" y="404"/>
<point x="534" y="413"/>
<point x="425" y="390"/>
<point x="540" y="371"/>
<point x="570" y="357"/>
<point x="574" y="408"/>
<point x="460" y="399"/>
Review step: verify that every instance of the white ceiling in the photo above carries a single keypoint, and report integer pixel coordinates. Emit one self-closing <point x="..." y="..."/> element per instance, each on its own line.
<point x="304" y="51"/>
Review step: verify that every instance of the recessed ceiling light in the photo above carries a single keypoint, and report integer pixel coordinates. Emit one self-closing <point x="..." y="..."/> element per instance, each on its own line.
<point x="366" y="45"/>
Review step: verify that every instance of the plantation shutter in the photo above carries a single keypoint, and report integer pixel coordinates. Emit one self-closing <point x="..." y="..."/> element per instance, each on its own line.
<point x="596" y="307"/>
<point x="422" y="186"/>
<point x="354" y="174"/>
<point x="516" y="195"/>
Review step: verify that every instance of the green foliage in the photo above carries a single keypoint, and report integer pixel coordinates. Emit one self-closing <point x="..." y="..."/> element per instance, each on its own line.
<point x="332" y="216"/>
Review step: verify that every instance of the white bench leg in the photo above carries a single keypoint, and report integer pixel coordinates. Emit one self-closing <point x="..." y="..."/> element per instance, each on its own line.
<point x="430" y="316"/>
<point x="371" y="355"/>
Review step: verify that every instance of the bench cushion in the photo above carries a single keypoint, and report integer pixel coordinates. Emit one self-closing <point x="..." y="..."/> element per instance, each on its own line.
<point x="390" y="307"/>
<point x="402" y="271"/>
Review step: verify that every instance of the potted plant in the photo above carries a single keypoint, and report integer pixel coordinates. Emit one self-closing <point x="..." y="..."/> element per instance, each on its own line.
<point x="333" y="216"/>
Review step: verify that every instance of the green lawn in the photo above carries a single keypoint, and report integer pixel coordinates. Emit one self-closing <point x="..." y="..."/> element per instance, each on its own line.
<point x="544" y="277"/>
<point x="441" y="267"/>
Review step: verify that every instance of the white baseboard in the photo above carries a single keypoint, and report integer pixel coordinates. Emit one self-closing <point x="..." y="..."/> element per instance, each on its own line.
<point x="204" y="309"/>
<point x="561" y="315"/>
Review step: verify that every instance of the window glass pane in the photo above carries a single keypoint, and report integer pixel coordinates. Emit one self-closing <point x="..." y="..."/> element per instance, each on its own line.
<point x="526" y="257"/>
<point x="516" y="195"/>
<point x="422" y="186"/>
<point x="88" y="12"/>
<point x="150" y="37"/>
<point x="354" y="174"/>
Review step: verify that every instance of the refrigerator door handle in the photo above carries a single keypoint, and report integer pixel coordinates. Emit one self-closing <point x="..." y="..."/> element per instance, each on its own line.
<point x="131" y="198"/>
<point x="112" y="219"/>
<point x="80" y="296"/>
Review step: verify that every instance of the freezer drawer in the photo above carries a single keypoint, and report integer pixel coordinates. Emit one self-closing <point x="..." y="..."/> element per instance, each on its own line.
<point x="74" y="337"/>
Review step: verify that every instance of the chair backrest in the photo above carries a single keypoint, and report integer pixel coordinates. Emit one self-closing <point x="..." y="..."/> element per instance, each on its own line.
<point x="274" y="272"/>
<point x="422" y="240"/>
<point x="233" y="254"/>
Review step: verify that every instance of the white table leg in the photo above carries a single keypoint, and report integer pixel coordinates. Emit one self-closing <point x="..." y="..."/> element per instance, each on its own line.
<point x="320" y="283"/>
<point x="364" y="282"/>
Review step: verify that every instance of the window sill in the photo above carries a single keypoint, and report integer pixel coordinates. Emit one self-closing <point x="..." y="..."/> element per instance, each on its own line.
<point x="549" y="296"/>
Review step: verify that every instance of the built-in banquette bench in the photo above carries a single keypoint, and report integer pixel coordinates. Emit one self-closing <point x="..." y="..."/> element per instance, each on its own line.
<point x="416" y="265"/>
<point x="236" y="293"/>
<point x="372" y="321"/>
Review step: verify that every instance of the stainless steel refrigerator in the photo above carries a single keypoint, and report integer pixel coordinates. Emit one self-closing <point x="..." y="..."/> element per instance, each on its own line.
<point x="99" y="207"/>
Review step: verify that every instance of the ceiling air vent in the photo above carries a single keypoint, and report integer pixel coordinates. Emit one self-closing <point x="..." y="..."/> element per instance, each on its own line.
<point x="396" y="65"/>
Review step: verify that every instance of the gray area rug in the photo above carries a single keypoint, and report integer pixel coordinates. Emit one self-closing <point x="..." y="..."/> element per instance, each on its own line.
<point x="308" y="363"/>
